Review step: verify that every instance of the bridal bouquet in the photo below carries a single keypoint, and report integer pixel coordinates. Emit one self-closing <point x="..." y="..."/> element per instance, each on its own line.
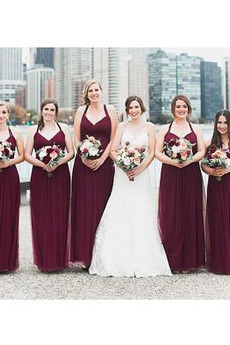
<point x="217" y="158"/>
<point x="178" y="148"/>
<point x="90" y="148"/>
<point x="129" y="157"/>
<point x="5" y="152"/>
<point x="50" y="155"/>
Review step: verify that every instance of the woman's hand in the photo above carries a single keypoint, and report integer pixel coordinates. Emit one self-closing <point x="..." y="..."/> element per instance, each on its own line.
<point x="4" y="165"/>
<point x="134" y="172"/>
<point x="93" y="164"/>
<point x="218" y="172"/>
<point x="176" y="164"/>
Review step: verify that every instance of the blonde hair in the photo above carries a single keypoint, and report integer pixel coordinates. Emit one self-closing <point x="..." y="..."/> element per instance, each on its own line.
<point x="86" y="89"/>
<point x="2" y="104"/>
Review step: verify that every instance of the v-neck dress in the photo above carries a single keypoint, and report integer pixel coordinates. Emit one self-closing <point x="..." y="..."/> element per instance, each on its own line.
<point x="9" y="214"/>
<point x="180" y="212"/>
<point x="50" y="204"/>
<point x="90" y="192"/>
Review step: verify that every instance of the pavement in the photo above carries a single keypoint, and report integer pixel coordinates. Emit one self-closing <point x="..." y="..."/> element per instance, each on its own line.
<point x="28" y="283"/>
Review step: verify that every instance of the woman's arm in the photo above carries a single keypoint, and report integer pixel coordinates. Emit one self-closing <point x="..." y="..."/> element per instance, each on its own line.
<point x="152" y="141"/>
<point x="159" y="154"/>
<point x="200" y="144"/>
<point x="68" y="143"/>
<point x="20" y="149"/>
<point x="113" y="117"/>
<point x="117" y="141"/>
<point x="29" y="149"/>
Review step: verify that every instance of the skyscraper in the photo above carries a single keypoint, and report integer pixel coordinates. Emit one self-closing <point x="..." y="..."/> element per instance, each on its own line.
<point x="188" y="81"/>
<point x="226" y="77"/>
<point x="211" y="95"/>
<point x="162" y="83"/>
<point x="71" y="65"/>
<point x="37" y="78"/>
<point x="110" y="67"/>
<point x="11" y="73"/>
<point x="44" y="56"/>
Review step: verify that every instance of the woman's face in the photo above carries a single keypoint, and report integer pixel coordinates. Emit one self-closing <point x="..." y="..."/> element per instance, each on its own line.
<point x="94" y="93"/>
<point x="222" y="125"/>
<point x="49" y="112"/>
<point x="181" y="109"/>
<point x="4" y="116"/>
<point x="134" y="110"/>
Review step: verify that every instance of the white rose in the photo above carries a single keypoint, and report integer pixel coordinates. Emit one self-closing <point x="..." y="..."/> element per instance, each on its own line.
<point x="127" y="161"/>
<point x="93" y="151"/>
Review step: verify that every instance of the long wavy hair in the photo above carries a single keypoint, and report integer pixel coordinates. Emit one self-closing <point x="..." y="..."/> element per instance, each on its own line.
<point x="43" y="104"/>
<point x="216" y="137"/>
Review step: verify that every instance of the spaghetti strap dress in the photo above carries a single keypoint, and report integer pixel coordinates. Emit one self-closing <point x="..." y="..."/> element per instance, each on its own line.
<point x="50" y="206"/>
<point x="90" y="192"/>
<point x="9" y="214"/>
<point x="180" y="212"/>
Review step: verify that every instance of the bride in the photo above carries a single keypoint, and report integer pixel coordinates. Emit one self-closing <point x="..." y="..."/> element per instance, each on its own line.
<point x="127" y="241"/>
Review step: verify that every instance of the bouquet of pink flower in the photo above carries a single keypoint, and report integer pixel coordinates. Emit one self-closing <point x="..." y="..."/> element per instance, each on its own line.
<point x="217" y="158"/>
<point x="90" y="148"/>
<point x="50" y="155"/>
<point x="178" y="148"/>
<point x="129" y="157"/>
<point x="5" y="152"/>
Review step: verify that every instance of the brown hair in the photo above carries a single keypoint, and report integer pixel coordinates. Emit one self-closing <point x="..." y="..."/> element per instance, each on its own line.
<point x="86" y="89"/>
<point x="43" y="104"/>
<point x="184" y="99"/>
<point x="130" y="99"/>
<point x="216" y="137"/>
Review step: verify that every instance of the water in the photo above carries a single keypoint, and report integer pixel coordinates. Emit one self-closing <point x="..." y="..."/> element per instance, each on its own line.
<point x="24" y="168"/>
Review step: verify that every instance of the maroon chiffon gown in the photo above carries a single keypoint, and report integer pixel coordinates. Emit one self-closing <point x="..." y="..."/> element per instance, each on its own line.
<point x="50" y="203"/>
<point x="90" y="192"/>
<point x="180" y="214"/>
<point x="9" y="214"/>
<point x="218" y="224"/>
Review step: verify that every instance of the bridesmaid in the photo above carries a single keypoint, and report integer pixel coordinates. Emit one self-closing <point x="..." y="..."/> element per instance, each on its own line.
<point x="180" y="212"/>
<point x="9" y="192"/>
<point x="50" y="196"/>
<point x="218" y="201"/>
<point x="92" y="179"/>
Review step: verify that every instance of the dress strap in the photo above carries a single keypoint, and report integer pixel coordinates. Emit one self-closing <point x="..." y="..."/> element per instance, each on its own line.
<point x="169" y="127"/>
<point x="37" y="129"/>
<point x="59" y="127"/>
<point x="85" y="111"/>
<point x="106" y="111"/>
<point x="10" y="131"/>
<point x="191" y="127"/>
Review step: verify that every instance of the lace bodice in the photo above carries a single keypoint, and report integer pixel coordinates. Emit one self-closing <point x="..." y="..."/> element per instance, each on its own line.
<point x="141" y="139"/>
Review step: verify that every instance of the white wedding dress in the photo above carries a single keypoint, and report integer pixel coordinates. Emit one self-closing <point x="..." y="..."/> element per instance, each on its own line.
<point x="127" y="241"/>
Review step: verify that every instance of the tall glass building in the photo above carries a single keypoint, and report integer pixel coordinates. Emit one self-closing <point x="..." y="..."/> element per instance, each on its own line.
<point x="188" y="81"/>
<point x="70" y="65"/>
<point x="11" y="73"/>
<point x="211" y="90"/>
<point x="162" y="82"/>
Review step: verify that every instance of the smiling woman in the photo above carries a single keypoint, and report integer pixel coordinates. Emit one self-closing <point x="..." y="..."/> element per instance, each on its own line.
<point x="181" y="190"/>
<point x="10" y="140"/>
<point x="50" y="181"/>
<point x="92" y="176"/>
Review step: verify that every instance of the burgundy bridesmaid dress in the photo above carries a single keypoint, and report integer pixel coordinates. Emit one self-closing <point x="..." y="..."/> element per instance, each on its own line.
<point x="9" y="214"/>
<point x="90" y="192"/>
<point x="180" y="212"/>
<point x="50" y="204"/>
<point x="218" y="224"/>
